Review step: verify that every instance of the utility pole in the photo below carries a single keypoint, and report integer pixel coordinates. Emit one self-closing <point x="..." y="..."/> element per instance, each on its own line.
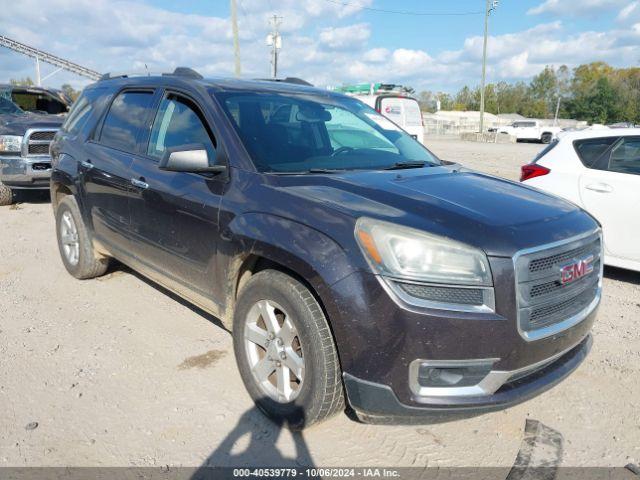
<point x="491" y="6"/>
<point x="38" y="81"/>
<point x="274" y="40"/>
<point x="236" y="42"/>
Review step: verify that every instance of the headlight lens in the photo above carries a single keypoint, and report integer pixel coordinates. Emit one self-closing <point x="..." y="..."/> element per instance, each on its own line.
<point x="10" y="143"/>
<point x="407" y="253"/>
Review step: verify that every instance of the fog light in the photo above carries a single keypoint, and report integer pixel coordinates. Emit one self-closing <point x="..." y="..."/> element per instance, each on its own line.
<point x="437" y="375"/>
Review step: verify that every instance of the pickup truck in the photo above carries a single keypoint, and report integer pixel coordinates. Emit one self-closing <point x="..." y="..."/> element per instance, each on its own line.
<point x="531" y="130"/>
<point x="29" y="119"/>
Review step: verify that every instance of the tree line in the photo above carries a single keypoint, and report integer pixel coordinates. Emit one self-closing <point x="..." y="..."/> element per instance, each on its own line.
<point x="594" y="92"/>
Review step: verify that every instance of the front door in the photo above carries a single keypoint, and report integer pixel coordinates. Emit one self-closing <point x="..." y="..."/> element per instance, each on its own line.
<point x="611" y="192"/>
<point x="174" y="215"/>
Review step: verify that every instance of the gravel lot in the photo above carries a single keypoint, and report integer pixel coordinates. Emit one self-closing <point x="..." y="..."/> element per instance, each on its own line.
<point x="115" y="372"/>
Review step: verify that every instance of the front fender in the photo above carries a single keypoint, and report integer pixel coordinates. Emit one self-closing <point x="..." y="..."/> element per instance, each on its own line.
<point x="315" y="256"/>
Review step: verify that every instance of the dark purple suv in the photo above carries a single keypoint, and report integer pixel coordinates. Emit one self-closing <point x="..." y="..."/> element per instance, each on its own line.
<point x="351" y="265"/>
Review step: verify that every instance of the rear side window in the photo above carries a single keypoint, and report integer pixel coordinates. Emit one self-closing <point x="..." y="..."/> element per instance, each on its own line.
<point x="591" y="149"/>
<point x="127" y="115"/>
<point x="179" y="122"/>
<point x="625" y="157"/>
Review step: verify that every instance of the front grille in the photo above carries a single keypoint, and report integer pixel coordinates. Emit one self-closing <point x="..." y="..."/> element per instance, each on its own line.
<point x="544" y="299"/>
<point x="460" y="296"/>
<point x="38" y="149"/>
<point x="38" y="142"/>
<point x="546" y="263"/>
<point x="46" y="135"/>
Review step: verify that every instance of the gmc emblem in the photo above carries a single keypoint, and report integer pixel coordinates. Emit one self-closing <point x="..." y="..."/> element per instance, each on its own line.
<point x="577" y="270"/>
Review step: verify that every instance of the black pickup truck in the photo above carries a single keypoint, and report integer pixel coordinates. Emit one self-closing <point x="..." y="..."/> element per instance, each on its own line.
<point x="29" y="118"/>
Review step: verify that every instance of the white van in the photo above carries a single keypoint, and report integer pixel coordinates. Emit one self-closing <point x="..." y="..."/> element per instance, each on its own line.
<point x="393" y="102"/>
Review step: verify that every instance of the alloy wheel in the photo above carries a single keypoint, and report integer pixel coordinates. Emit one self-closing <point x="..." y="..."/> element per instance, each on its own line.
<point x="69" y="238"/>
<point x="274" y="351"/>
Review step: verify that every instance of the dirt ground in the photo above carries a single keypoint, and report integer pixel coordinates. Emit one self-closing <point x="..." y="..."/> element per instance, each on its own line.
<point x="117" y="372"/>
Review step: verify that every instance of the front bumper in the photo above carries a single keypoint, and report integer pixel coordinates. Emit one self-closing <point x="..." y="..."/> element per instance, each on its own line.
<point x="25" y="172"/>
<point x="378" y="340"/>
<point x="377" y="400"/>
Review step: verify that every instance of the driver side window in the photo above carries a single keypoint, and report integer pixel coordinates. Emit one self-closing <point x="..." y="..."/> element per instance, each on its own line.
<point x="179" y="122"/>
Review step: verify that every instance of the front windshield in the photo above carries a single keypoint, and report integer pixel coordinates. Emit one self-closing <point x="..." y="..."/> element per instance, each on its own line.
<point x="7" y="107"/>
<point x="291" y="133"/>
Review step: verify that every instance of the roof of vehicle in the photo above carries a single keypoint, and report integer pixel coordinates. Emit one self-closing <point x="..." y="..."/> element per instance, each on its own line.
<point x="288" y="85"/>
<point x="598" y="133"/>
<point x="9" y="86"/>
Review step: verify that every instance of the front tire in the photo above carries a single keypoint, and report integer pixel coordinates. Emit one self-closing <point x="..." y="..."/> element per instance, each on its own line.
<point x="546" y="138"/>
<point x="74" y="243"/>
<point x="285" y="351"/>
<point x="6" y="195"/>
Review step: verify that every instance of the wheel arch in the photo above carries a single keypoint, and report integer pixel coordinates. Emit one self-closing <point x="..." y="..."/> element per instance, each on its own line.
<point x="305" y="254"/>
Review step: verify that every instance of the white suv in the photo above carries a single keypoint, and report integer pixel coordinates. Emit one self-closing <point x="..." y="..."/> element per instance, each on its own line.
<point x="600" y="171"/>
<point x="531" y="130"/>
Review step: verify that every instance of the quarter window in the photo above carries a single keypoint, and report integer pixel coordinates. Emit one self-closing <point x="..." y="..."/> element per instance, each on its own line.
<point x="178" y="122"/>
<point x="127" y="115"/>
<point x="625" y="157"/>
<point x="590" y="150"/>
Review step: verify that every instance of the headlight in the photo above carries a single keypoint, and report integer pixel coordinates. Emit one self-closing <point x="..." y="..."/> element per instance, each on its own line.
<point x="407" y="253"/>
<point x="10" y="143"/>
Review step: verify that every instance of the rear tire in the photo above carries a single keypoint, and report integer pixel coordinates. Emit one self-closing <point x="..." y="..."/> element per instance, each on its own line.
<point x="6" y="195"/>
<point x="546" y="138"/>
<point x="314" y="386"/>
<point x="74" y="242"/>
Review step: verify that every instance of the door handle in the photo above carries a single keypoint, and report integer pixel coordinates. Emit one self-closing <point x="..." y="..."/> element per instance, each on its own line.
<point x="87" y="164"/>
<point x="600" y="187"/>
<point x="139" y="183"/>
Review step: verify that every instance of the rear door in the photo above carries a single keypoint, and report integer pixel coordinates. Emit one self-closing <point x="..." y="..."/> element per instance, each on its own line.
<point x="610" y="190"/>
<point x="529" y="131"/>
<point x="405" y="112"/>
<point x="105" y="174"/>
<point x="174" y="215"/>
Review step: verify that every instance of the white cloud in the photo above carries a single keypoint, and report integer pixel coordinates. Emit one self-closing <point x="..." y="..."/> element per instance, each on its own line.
<point x="376" y="55"/>
<point x="352" y="36"/>
<point x="630" y="13"/>
<point x="323" y="42"/>
<point x="568" y="7"/>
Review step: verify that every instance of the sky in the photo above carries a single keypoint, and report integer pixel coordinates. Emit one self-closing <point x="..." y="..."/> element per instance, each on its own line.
<point x="327" y="42"/>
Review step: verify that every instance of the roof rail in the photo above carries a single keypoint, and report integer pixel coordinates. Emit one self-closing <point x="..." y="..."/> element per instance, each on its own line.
<point x="185" y="72"/>
<point x="111" y="76"/>
<point x="294" y="80"/>
<point x="178" y="72"/>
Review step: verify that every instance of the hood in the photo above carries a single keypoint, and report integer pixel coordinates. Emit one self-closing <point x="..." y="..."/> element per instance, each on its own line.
<point x="497" y="215"/>
<point x="19" y="124"/>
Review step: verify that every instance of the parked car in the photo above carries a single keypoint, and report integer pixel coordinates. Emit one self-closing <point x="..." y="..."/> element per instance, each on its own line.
<point x="392" y="101"/>
<point x="350" y="263"/>
<point x="531" y="130"/>
<point x="29" y="118"/>
<point x="600" y="171"/>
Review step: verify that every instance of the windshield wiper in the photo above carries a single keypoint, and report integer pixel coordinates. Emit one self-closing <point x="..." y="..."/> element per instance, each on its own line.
<point x="406" y="165"/>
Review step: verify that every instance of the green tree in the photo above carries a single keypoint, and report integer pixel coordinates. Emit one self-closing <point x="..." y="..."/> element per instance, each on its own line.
<point x="70" y="91"/>
<point x="23" y="82"/>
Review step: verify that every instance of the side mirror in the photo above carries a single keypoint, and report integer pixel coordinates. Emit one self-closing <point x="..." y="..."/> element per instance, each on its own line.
<point x="188" y="158"/>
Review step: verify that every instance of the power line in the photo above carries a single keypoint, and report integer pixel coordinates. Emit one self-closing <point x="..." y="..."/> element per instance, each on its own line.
<point x="404" y="12"/>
